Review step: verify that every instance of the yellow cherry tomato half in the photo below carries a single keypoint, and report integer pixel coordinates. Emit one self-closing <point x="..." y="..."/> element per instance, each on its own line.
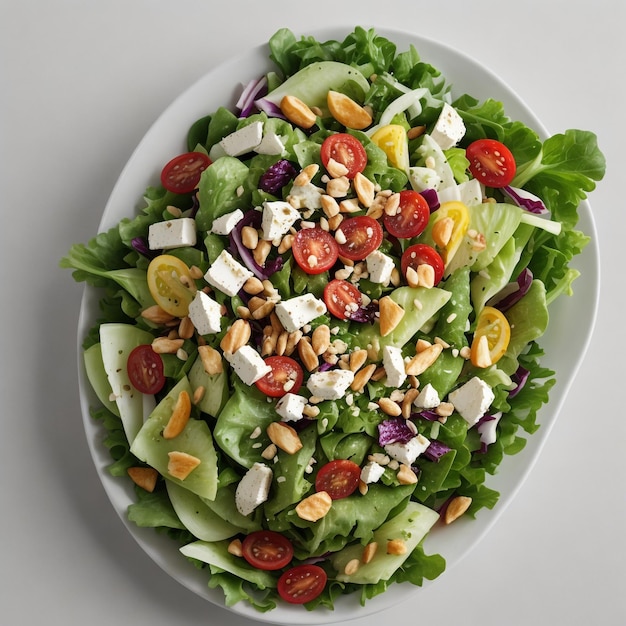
<point x="491" y="338"/>
<point x="392" y="140"/>
<point x="458" y="214"/>
<point x="171" y="284"/>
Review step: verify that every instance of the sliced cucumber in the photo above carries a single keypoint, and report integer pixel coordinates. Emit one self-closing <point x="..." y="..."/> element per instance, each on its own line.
<point x="117" y="342"/>
<point x="151" y="447"/>
<point x="411" y="526"/>
<point x="97" y="376"/>
<point x="312" y="83"/>
<point x="215" y="388"/>
<point x="216" y="554"/>
<point x="197" y="517"/>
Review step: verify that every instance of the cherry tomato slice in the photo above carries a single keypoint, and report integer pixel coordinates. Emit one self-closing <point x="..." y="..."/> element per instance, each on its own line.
<point x="168" y="278"/>
<point x="267" y="550"/>
<point x="338" y="478"/>
<point x="342" y="298"/>
<point x="286" y="376"/>
<point x="491" y="162"/>
<point x="422" y="253"/>
<point x="315" y="250"/>
<point x="362" y="234"/>
<point x="302" y="583"/>
<point x="411" y="218"/>
<point x="182" y="173"/>
<point x="145" y="369"/>
<point x="345" y="149"/>
<point x="491" y="337"/>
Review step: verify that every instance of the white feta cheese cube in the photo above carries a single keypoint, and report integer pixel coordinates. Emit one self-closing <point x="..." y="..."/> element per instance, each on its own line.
<point x="296" y="312"/>
<point x="205" y="314"/>
<point x="371" y="472"/>
<point x="394" y="366"/>
<point x="224" y="224"/>
<point x="306" y="196"/>
<point x="472" y="399"/>
<point x="330" y="385"/>
<point x="407" y="452"/>
<point x="270" y="144"/>
<point x="290" y="407"/>
<point x="243" y="140"/>
<point x="278" y="217"/>
<point x="379" y="267"/>
<point x="175" y="233"/>
<point x="227" y="274"/>
<point x="248" y="364"/>
<point x="449" y="127"/>
<point x="253" y="489"/>
<point x="428" y="398"/>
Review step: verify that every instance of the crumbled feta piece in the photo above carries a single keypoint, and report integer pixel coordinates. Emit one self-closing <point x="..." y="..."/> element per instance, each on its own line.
<point x="394" y="366"/>
<point x="371" y="472"/>
<point x="243" y="140"/>
<point x="296" y="312"/>
<point x="428" y="398"/>
<point x="205" y="313"/>
<point x="227" y="274"/>
<point x="407" y="452"/>
<point x="471" y="192"/>
<point x="379" y="267"/>
<point x="278" y="217"/>
<point x="224" y="224"/>
<point x="472" y="399"/>
<point x="306" y="196"/>
<point x="270" y="144"/>
<point x="175" y="233"/>
<point x="330" y="385"/>
<point x="290" y="407"/>
<point x="253" y="489"/>
<point x="449" y="127"/>
<point x="248" y="364"/>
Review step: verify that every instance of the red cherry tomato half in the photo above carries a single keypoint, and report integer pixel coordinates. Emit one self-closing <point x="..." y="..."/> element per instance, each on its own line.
<point x="145" y="369"/>
<point x="338" y="478"/>
<point x="363" y="235"/>
<point x="491" y="162"/>
<point x="422" y="253"/>
<point x="345" y="149"/>
<point x="286" y="376"/>
<point x="182" y="173"/>
<point x="342" y="298"/>
<point x="302" y="583"/>
<point x="267" y="550"/>
<point x="411" y="218"/>
<point x="315" y="250"/>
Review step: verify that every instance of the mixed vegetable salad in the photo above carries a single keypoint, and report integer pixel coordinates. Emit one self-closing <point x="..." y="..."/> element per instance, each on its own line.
<point x="319" y="336"/>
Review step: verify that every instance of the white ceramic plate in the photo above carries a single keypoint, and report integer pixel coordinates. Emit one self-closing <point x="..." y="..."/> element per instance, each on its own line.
<point x="222" y="86"/>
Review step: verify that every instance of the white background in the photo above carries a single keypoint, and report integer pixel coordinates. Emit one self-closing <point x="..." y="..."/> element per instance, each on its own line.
<point x="80" y="83"/>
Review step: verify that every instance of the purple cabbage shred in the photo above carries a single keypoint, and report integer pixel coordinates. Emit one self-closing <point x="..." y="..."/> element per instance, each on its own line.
<point x="525" y="200"/>
<point x="252" y="91"/>
<point x="432" y="198"/>
<point x="520" y="378"/>
<point x="513" y="292"/>
<point x="269" y="108"/>
<point x="436" y="450"/>
<point x="364" y="314"/>
<point x="277" y="176"/>
<point x="252" y="218"/>
<point x="394" y="430"/>
<point x="139" y="245"/>
<point x="426" y="414"/>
